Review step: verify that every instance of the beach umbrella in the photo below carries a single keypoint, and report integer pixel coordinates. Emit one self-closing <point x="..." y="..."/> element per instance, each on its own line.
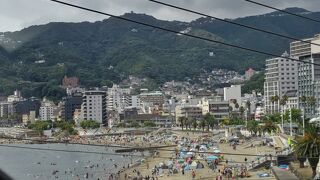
<point x="211" y="158"/>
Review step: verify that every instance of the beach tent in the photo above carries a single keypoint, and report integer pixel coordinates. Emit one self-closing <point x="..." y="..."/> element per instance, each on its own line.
<point x="203" y="148"/>
<point x="216" y="151"/>
<point x="193" y="165"/>
<point x="181" y="161"/>
<point x="212" y="158"/>
<point x="200" y="166"/>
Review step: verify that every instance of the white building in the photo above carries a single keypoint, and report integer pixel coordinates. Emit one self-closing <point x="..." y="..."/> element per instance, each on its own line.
<point x="94" y="106"/>
<point x="46" y="111"/>
<point x="15" y="97"/>
<point x="118" y="98"/>
<point x="216" y="107"/>
<point x="280" y="76"/>
<point x="293" y="100"/>
<point x="308" y="74"/>
<point x="232" y="93"/>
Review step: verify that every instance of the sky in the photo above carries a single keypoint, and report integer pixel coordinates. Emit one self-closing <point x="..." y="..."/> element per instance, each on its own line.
<point x="18" y="14"/>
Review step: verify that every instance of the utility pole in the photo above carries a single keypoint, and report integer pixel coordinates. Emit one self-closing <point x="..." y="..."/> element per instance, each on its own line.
<point x="303" y="123"/>
<point x="282" y="119"/>
<point x="290" y="122"/>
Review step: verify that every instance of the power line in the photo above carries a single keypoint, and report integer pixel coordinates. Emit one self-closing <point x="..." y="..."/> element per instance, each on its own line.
<point x="284" y="11"/>
<point x="184" y="34"/>
<point x="234" y="23"/>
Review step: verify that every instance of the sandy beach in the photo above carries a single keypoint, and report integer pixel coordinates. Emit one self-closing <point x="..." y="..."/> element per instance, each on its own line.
<point x="145" y="169"/>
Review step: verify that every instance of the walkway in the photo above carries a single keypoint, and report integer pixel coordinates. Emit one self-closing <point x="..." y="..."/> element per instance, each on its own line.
<point x="283" y="174"/>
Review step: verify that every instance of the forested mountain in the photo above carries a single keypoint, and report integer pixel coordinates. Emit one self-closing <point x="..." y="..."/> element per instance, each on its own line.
<point x="35" y="59"/>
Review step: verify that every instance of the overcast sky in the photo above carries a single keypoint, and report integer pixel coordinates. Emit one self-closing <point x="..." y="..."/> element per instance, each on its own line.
<point x="18" y="14"/>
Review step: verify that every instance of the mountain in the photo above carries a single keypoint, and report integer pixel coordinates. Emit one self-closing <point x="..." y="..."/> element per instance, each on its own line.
<point x="103" y="52"/>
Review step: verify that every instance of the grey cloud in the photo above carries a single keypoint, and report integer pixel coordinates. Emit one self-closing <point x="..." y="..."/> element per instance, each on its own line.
<point x="17" y="14"/>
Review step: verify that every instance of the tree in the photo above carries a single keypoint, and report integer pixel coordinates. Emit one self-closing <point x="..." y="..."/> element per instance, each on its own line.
<point x="210" y="121"/>
<point x="66" y="126"/>
<point x="89" y="124"/>
<point x="149" y="124"/>
<point x="283" y="101"/>
<point x="40" y="126"/>
<point x="308" y="146"/>
<point x="274" y="99"/>
<point x="269" y="127"/>
<point x="181" y="121"/>
<point x="194" y="124"/>
<point x="248" y="107"/>
<point x="203" y="124"/>
<point x="295" y="115"/>
<point x="241" y="111"/>
<point x="276" y="118"/>
<point x="253" y="127"/>
<point x="189" y="123"/>
<point x="236" y="106"/>
<point x="134" y="124"/>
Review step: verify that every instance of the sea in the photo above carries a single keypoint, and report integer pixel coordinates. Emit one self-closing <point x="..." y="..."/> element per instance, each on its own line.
<point x="31" y="164"/>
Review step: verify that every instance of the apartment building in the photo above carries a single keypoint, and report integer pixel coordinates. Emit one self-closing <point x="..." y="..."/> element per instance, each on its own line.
<point x="308" y="74"/>
<point x="94" y="106"/>
<point x="280" y="76"/>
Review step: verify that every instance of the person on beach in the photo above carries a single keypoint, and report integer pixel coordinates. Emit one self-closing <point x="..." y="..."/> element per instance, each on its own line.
<point x="193" y="174"/>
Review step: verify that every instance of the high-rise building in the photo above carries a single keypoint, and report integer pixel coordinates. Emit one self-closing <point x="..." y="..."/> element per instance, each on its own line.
<point x="46" y="110"/>
<point x="94" y="106"/>
<point x="280" y="76"/>
<point x="6" y="109"/>
<point x="308" y="74"/>
<point x="118" y="98"/>
<point x="69" y="105"/>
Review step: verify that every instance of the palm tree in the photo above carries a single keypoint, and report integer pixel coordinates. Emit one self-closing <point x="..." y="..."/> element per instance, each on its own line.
<point x="283" y="101"/>
<point x="194" y="124"/>
<point x="253" y="127"/>
<point x="210" y="121"/>
<point x="181" y="121"/>
<point x="203" y="124"/>
<point x="308" y="146"/>
<point x="276" y="99"/>
<point x="272" y="99"/>
<point x="188" y="123"/>
<point x="269" y="127"/>
<point x="248" y="106"/>
<point x="241" y="111"/>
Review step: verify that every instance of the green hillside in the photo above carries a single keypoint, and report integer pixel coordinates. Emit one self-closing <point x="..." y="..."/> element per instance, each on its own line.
<point x="104" y="52"/>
